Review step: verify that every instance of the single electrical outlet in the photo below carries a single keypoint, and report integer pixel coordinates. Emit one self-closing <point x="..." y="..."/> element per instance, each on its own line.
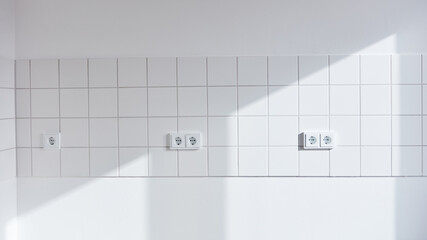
<point x="311" y="140"/>
<point x="192" y="140"/>
<point x="176" y="141"/>
<point x="52" y="141"/>
<point x="327" y="140"/>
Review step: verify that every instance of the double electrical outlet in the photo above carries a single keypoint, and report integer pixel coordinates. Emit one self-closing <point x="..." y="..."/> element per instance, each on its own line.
<point x="184" y="140"/>
<point x="319" y="140"/>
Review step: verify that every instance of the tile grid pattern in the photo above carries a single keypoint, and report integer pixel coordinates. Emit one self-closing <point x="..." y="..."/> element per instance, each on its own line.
<point x="250" y="113"/>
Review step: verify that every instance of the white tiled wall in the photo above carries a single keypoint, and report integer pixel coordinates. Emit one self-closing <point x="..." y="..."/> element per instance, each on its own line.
<point x="7" y="119"/>
<point x="115" y="114"/>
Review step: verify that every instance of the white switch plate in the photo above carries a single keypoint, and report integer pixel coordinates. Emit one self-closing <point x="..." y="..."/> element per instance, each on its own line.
<point x="52" y="141"/>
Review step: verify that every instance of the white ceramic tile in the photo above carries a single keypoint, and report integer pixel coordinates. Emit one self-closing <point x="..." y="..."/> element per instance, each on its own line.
<point x="132" y="72"/>
<point x="344" y="69"/>
<point x="194" y="124"/>
<point x="132" y="132"/>
<point x="314" y="124"/>
<point x="253" y="161"/>
<point x="283" y="70"/>
<point x="74" y="102"/>
<point x="44" y="73"/>
<point x="283" y="161"/>
<point x="314" y="100"/>
<point x="376" y="130"/>
<point x="23" y="133"/>
<point x="162" y="71"/>
<point x="23" y="103"/>
<point x="104" y="162"/>
<point x="103" y="132"/>
<point x="73" y="73"/>
<point x="8" y="164"/>
<point x="45" y="103"/>
<point x="192" y="71"/>
<point x="222" y="71"/>
<point x="253" y="131"/>
<point x="162" y="102"/>
<point x="22" y="71"/>
<point x="192" y="101"/>
<point x="75" y="132"/>
<point x="23" y="162"/>
<point x="7" y="73"/>
<point x="103" y="102"/>
<point x="222" y="131"/>
<point x="345" y="100"/>
<point x="375" y="69"/>
<point x="313" y="70"/>
<point x="424" y="161"/>
<point x="283" y="100"/>
<point x="406" y="69"/>
<point x="159" y="128"/>
<point x="376" y="161"/>
<point x="252" y="101"/>
<point x="193" y="163"/>
<point x="162" y="162"/>
<point x="283" y="131"/>
<point x="132" y="102"/>
<point x="375" y="100"/>
<point x="407" y="130"/>
<point x="45" y="162"/>
<point x="223" y="161"/>
<point x="252" y="70"/>
<point x="424" y="68"/>
<point x="102" y="72"/>
<point x="407" y="161"/>
<point x="222" y="101"/>
<point x="7" y="103"/>
<point x="406" y="99"/>
<point x="40" y="127"/>
<point x="75" y="162"/>
<point x="314" y="163"/>
<point x="424" y="96"/>
<point x="345" y="161"/>
<point x="7" y="136"/>
<point x="346" y="129"/>
<point x="133" y="162"/>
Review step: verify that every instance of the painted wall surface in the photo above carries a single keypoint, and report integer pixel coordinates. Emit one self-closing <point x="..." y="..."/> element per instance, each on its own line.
<point x="8" y="200"/>
<point x="99" y="28"/>
<point x="220" y="208"/>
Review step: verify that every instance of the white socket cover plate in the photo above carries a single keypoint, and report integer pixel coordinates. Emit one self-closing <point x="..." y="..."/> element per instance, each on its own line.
<point x="176" y="141"/>
<point x="327" y="140"/>
<point x="311" y="140"/>
<point x="193" y="140"/>
<point x="52" y="141"/>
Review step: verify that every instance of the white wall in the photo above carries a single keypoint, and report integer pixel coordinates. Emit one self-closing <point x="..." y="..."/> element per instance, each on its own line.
<point x="97" y="28"/>
<point x="8" y="200"/>
<point x="93" y="208"/>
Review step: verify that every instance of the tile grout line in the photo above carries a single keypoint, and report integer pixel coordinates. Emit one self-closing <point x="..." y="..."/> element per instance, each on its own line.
<point x="391" y="112"/>
<point x="329" y="105"/>
<point x="177" y="111"/>
<point x="268" y="116"/>
<point x="31" y="118"/>
<point x="148" y="122"/>
<point x="238" y="114"/>
<point x="360" y="114"/>
<point x="299" y="116"/>
<point x="207" y="118"/>
<point x="59" y="114"/>
<point x="88" y="115"/>
<point x="118" y="118"/>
